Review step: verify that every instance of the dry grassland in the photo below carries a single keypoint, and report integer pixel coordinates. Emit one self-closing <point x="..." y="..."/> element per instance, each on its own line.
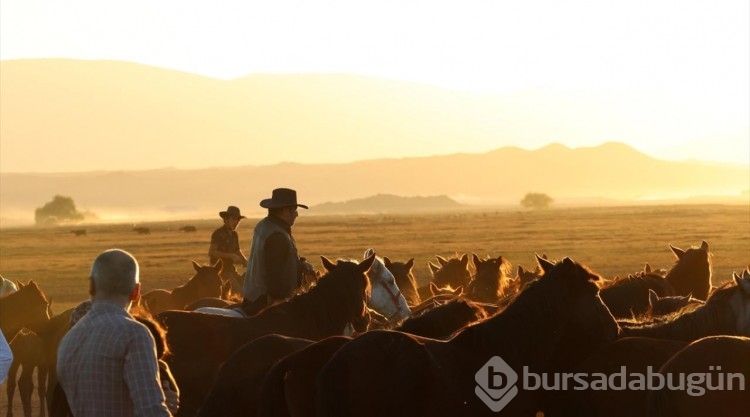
<point x="612" y="241"/>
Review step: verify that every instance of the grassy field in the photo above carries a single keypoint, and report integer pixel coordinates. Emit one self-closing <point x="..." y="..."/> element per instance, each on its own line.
<point x="612" y="241"/>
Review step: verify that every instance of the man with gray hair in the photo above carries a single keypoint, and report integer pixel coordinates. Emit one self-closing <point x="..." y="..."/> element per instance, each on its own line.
<point x="107" y="362"/>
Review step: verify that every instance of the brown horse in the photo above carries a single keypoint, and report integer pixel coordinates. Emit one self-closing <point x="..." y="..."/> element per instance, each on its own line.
<point x="490" y="280"/>
<point x="628" y="297"/>
<point x="637" y="355"/>
<point x="691" y="272"/>
<point x="28" y="307"/>
<point x="28" y="355"/>
<point x="289" y="387"/>
<point x="689" y="276"/>
<point x="206" y="282"/>
<point x="201" y="342"/>
<point x="557" y="320"/>
<point x="405" y="279"/>
<point x="453" y="272"/>
<point x="663" y="306"/>
<point x="236" y="391"/>
<point x="716" y="370"/>
<point x="727" y="311"/>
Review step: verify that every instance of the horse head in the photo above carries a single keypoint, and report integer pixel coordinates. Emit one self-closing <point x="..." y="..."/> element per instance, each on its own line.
<point x="349" y="283"/>
<point x="452" y="272"/>
<point x="405" y="279"/>
<point x="490" y="280"/>
<point x="691" y="272"/>
<point x="386" y="297"/>
<point x="589" y="325"/>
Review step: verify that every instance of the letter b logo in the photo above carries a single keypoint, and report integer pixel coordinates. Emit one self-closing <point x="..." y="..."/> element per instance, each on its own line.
<point x="496" y="383"/>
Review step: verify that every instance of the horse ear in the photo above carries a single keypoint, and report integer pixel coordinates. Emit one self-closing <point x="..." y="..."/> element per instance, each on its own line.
<point x="567" y="261"/>
<point x="327" y="264"/>
<point x="442" y="261"/>
<point x="433" y="268"/>
<point x="647" y="268"/>
<point x="704" y="245"/>
<point x="476" y="260"/>
<point x="219" y="265"/>
<point x="465" y="260"/>
<point x="653" y="297"/>
<point x="365" y="265"/>
<point x="387" y="262"/>
<point x="434" y="288"/>
<point x="679" y="253"/>
<point x="196" y="266"/>
<point x="409" y="264"/>
<point x="743" y="282"/>
<point x="369" y="252"/>
<point x="544" y="264"/>
<point x="520" y="270"/>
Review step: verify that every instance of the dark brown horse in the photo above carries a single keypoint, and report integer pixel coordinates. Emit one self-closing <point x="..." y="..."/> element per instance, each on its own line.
<point x="491" y="278"/>
<point x="663" y="306"/>
<point x="689" y="276"/>
<point x="726" y="312"/>
<point x="405" y="279"/>
<point x="28" y="307"/>
<point x="557" y="320"/>
<point x="453" y="272"/>
<point x="289" y="387"/>
<point x="206" y="282"/>
<point x="28" y="356"/>
<point x="691" y="272"/>
<point x="722" y="367"/>
<point x="236" y="391"/>
<point x="201" y="342"/>
<point x="627" y="297"/>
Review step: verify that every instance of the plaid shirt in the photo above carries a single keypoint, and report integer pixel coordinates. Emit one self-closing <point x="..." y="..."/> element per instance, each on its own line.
<point x="107" y="366"/>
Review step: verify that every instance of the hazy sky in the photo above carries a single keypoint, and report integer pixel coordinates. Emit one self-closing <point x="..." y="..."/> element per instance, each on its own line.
<point x="675" y="69"/>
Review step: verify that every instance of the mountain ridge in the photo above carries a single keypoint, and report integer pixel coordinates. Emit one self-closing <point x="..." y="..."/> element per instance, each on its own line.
<point x="499" y="177"/>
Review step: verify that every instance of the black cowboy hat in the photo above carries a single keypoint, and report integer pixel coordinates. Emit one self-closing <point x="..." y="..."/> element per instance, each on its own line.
<point x="282" y="197"/>
<point x="231" y="211"/>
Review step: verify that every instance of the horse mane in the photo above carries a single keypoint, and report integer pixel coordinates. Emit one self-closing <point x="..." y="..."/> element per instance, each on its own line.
<point x="531" y="315"/>
<point x="329" y="292"/>
<point x="444" y="320"/>
<point x="692" y="324"/>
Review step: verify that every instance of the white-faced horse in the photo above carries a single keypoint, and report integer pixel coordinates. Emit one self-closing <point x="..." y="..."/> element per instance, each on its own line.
<point x="386" y="299"/>
<point x="7" y="286"/>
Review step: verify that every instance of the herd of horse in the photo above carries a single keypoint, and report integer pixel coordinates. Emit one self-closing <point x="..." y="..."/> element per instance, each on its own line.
<point x="364" y="339"/>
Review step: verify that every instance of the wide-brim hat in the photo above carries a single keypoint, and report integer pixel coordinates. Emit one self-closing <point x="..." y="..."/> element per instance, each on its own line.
<point x="282" y="197"/>
<point x="231" y="211"/>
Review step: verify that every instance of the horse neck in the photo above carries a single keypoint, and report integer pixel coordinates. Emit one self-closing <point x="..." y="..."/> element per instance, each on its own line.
<point x="322" y="306"/>
<point x="526" y="332"/>
<point x="11" y="317"/>
<point x="707" y="320"/>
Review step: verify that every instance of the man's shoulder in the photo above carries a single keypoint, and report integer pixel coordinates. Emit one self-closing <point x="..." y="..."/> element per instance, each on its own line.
<point x="221" y="231"/>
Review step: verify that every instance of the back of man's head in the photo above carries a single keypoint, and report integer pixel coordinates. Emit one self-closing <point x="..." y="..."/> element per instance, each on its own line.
<point x="115" y="273"/>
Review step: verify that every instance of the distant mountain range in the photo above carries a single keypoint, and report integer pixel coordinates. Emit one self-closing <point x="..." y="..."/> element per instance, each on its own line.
<point x="608" y="174"/>
<point x="63" y="115"/>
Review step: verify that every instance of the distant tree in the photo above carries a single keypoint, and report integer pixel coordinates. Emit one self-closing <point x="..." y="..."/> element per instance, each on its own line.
<point x="60" y="210"/>
<point x="536" y="201"/>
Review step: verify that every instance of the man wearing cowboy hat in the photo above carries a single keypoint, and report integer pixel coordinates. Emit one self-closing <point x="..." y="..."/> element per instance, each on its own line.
<point x="225" y="245"/>
<point x="274" y="271"/>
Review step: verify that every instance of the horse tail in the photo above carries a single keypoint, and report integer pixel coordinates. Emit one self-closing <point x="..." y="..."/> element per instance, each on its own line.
<point x="272" y="396"/>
